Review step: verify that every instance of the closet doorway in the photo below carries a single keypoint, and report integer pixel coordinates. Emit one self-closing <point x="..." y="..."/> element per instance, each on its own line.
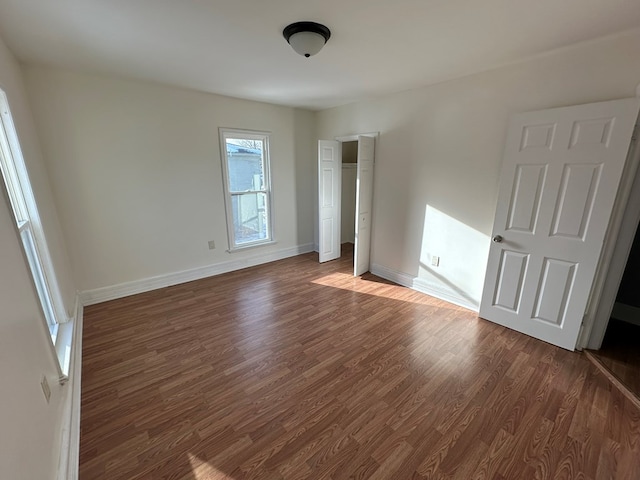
<point x="345" y="197"/>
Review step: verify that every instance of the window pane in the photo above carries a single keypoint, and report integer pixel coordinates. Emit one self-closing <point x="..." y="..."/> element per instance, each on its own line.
<point x="250" y="218"/>
<point x="246" y="166"/>
<point x="38" y="276"/>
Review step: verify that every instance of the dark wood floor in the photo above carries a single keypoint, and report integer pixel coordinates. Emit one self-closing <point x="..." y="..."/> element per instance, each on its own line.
<point x="297" y="370"/>
<point x="620" y="354"/>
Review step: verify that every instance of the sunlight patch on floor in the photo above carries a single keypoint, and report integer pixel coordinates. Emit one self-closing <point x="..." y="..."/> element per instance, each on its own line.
<point x="203" y="471"/>
<point x="346" y="281"/>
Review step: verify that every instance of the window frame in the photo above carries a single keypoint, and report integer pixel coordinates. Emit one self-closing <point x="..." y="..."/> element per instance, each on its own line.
<point x="233" y="133"/>
<point x="33" y="242"/>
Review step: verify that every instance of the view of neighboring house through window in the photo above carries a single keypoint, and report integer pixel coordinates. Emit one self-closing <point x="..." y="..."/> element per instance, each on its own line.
<point x="24" y="209"/>
<point x="247" y="187"/>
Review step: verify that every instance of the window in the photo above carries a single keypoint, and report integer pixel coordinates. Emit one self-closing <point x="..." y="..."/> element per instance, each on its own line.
<point x="16" y="179"/>
<point x="245" y="165"/>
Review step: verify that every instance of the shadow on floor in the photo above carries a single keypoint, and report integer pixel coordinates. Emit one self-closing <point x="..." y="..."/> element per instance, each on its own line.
<point x="620" y="353"/>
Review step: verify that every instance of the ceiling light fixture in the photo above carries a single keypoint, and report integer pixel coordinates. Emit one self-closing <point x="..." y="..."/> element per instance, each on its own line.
<point x="306" y="38"/>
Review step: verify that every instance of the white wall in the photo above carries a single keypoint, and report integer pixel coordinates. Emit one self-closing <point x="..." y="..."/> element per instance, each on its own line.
<point x="136" y="172"/>
<point x="439" y="154"/>
<point x="29" y="427"/>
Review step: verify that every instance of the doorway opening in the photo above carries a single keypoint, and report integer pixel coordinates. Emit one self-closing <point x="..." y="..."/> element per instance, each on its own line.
<point x="345" y="198"/>
<point x="612" y="339"/>
<point x="620" y="349"/>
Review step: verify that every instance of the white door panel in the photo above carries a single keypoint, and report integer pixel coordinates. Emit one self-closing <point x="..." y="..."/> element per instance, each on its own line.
<point x="329" y="193"/>
<point x="364" y="204"/>
<point x="560" y="176"/>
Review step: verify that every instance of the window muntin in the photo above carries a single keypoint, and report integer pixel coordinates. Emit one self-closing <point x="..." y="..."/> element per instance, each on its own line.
<point x="246" y="175"/>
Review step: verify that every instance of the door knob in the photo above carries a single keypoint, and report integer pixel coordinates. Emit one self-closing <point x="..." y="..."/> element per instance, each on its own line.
<point x="497" y="239"/>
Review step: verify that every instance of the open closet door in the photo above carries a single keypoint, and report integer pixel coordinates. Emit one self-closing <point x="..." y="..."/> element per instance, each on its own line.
<point x="364" y="203"/>
<point x="560" y="176"/>
<point x="329" y="193"/>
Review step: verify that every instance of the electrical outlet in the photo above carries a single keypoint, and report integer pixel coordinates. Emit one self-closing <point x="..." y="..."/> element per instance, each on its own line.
<point x="212" y="244"/>
<point x="435" y="260"/>
<point x="45" y="388"/>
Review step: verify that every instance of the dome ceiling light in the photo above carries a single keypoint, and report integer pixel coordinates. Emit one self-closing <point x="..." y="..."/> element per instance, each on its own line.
<point x="306" y="38"/>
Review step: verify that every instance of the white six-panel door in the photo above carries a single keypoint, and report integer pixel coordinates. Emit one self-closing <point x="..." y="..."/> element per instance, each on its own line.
<point x="559" y="180"/>
<point x="329" y="198"/>
<point x="364" y="204"/>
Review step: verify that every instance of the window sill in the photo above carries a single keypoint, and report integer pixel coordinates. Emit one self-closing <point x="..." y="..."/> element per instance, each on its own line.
<point x="251" y="246"/>
<point x="64" y="339"/>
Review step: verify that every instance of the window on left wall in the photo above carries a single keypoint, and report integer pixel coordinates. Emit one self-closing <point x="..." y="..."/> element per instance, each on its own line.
<point x="22" y="200"/>
<point x="247" y="186"/>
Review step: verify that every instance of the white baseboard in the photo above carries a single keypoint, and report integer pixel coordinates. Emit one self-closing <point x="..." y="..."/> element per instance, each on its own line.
<point x="626" y="313"/>
<point x="422" y="286"/>
<point x="103" y="294"/>
<point x="70" y="422"/>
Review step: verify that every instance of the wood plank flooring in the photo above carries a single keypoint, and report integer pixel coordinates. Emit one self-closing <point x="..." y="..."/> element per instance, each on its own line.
<point x="297" y="370"/>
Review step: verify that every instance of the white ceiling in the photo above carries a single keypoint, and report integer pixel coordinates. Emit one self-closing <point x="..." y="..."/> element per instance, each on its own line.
<point x="236" y="48"/>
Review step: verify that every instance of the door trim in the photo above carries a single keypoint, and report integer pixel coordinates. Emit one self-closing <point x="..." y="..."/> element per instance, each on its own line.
<point x="619" y="238"/>
<point x="341" y="139"/>
<point x="354" y="138"/>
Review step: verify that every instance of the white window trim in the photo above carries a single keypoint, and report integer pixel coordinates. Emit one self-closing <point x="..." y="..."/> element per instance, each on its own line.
<point x="249" y="135"/>
<point x="29" y="223"/>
